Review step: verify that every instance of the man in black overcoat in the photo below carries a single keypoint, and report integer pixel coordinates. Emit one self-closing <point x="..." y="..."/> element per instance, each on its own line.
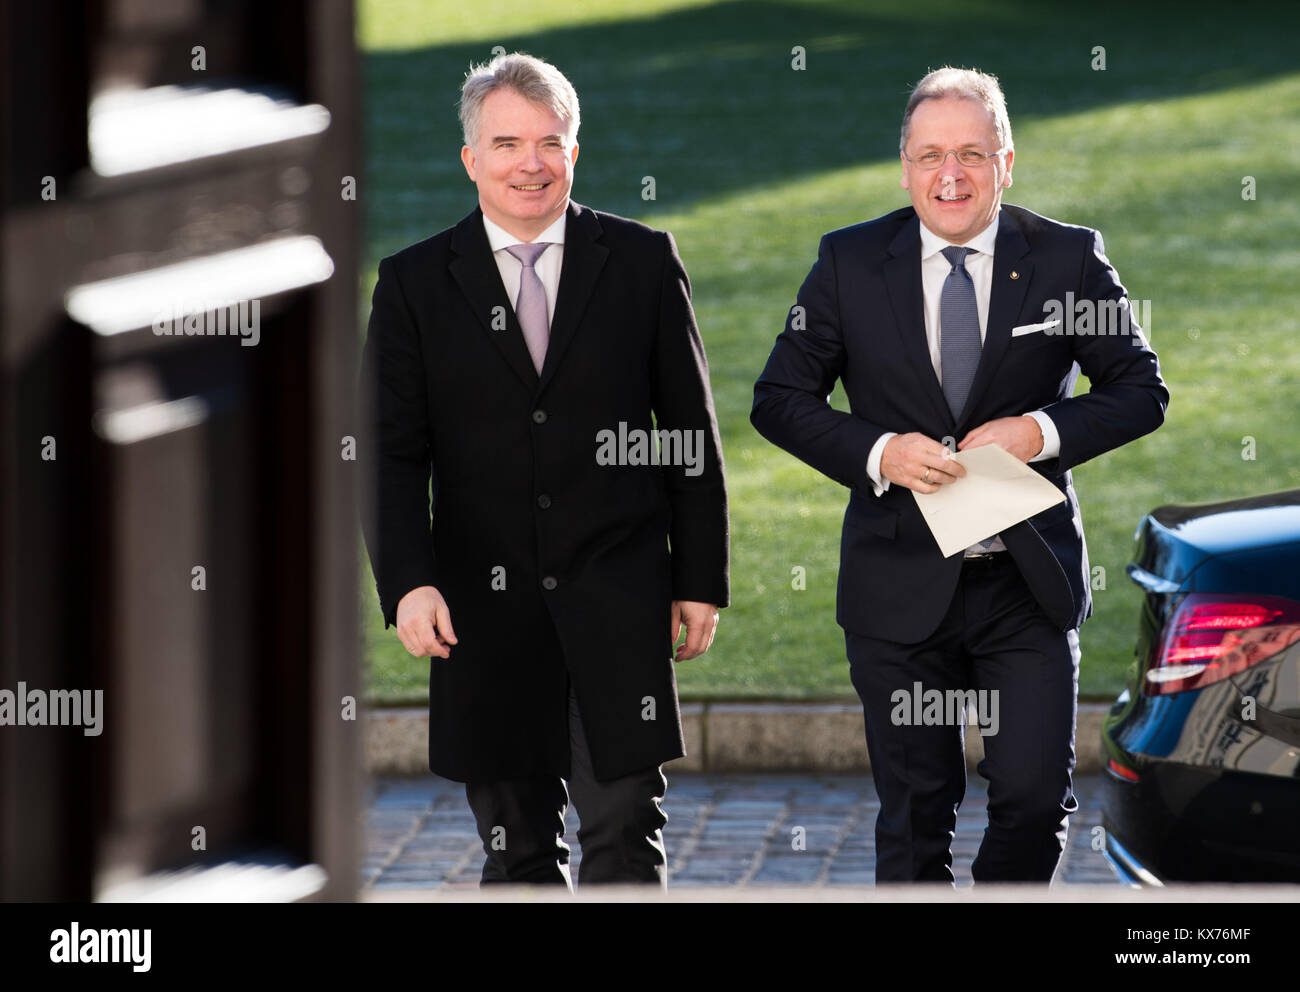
<point x="547" y="476"/>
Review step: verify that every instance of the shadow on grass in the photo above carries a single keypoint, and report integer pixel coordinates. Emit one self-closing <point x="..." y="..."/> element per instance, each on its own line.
<point x="705" y="99"/>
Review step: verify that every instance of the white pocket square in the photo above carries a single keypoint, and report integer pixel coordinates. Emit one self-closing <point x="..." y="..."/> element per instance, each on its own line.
<point x="1033" y="328"/>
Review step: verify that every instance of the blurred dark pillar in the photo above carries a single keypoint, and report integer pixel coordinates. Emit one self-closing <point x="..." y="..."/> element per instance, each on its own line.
<point x="130" y="458"/>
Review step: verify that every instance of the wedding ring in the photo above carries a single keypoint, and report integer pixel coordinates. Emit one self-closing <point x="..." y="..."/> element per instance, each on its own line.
<point x="926" y="477"/>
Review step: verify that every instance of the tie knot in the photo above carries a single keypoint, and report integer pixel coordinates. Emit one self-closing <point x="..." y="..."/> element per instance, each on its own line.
<point x="528" y="254"/>
<point x="955" y="256"/>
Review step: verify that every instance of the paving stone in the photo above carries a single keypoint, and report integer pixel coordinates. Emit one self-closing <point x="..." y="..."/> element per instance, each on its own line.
<point x="723" y="830"/>
<point x="852" y="878"/>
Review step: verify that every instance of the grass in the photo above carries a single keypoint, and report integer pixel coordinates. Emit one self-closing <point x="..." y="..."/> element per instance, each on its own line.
<point x="753" y="161"/>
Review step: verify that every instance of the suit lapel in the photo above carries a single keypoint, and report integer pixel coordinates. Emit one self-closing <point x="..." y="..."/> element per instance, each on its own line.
<point x="1006" y="297"/>
<point x="903" y="282"/>
<point x="476" y="272"/>
<point x="584" y="257"/>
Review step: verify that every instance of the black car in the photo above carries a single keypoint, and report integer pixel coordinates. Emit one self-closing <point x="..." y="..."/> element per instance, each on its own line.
<point x="1202" y="748"/>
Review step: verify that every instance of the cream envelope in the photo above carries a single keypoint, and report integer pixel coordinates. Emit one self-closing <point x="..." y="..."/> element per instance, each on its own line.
<point x="997" y="491"/>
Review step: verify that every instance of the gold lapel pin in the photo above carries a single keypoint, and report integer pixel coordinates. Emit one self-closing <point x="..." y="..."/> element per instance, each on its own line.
<point x="1015" y="274"/>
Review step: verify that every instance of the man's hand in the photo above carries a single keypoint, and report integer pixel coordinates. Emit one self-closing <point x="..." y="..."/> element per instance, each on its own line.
<point x="919" y="463"/>
<point x="424" y="623"/>
<point x="1019" y="435"/>
<point x="701" y="621"/>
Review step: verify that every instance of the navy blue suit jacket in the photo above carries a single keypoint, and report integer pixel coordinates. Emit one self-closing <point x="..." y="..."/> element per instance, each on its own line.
<point x="863" y="323"/>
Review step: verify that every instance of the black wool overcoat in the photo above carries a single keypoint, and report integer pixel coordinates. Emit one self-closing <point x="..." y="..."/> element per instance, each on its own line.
<point x="519" y="497"/>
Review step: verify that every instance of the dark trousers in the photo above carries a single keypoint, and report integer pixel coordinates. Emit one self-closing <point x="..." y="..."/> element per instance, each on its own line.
<point x="521" y="823"/>
<point x="994" y="637"/>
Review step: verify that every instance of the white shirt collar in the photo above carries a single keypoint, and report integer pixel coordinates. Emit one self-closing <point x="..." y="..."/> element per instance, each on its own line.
<point x="932" y="244"/>
<point x="499" y="237"/>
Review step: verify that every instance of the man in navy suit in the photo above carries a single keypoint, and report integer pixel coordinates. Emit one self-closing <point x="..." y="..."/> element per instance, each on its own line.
<point x="936" y="319"/>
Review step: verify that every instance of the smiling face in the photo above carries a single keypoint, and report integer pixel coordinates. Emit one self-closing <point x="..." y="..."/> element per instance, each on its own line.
<point x="522" y="163"/>
<point x="955" y="201"/>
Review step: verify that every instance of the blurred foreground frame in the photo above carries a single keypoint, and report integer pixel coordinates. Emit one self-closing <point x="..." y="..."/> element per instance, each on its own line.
<point x="137" y="182"/>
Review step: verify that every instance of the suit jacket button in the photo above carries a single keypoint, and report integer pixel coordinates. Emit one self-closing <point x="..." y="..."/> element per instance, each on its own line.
<point x="549" y="583"/>
<point x="539" y="416"/>
<point x="544" y="501"/>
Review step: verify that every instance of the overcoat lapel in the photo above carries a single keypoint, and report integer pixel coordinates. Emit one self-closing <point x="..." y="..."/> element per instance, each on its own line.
<point x="476" y="272"/>
<point x="584" y="257"/>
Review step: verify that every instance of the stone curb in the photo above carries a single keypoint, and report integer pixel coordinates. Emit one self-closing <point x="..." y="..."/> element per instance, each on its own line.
<point x="727" y="737"/>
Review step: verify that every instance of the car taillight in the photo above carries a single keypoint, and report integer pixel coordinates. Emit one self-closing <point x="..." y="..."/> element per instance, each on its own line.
<point x="1120" y="771"/>
<point x="1213" y="636"/>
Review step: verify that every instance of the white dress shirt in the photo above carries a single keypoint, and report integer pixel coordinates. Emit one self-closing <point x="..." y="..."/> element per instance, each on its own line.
<point x="934" y="272"/>
<point x="547" y="266"/>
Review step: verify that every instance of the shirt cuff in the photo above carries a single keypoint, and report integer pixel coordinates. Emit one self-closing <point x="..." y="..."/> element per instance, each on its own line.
<point x="873" y="461"/>
<point x="1051" y="438"/>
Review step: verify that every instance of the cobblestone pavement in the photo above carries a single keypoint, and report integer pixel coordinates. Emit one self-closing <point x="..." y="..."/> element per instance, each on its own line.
<point x="723" y="830"/>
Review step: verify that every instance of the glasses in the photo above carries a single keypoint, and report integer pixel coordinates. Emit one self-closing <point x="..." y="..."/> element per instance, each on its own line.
<point x="969" y="157"/>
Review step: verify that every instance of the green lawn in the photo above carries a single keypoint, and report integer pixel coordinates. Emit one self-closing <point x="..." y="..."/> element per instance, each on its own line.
<point x="753" y="161"/>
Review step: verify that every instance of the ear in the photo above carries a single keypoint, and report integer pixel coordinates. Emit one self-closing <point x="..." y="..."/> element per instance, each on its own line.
<point x="902" y="180"/>
<point x="1006" y="179"/>
<point x="573" y="155"/>
<point x="468" y="159"/>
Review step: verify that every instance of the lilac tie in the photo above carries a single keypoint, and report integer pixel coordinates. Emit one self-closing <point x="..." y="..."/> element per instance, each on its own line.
<point x="530" y="307"/>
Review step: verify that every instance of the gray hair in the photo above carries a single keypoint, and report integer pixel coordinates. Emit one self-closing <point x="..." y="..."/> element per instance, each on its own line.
<point x="968" y="84"/>
<point x="530" y="77"/>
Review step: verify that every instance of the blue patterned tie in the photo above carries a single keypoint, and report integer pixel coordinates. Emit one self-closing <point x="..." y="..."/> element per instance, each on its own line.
<point x="959" y="330"/>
